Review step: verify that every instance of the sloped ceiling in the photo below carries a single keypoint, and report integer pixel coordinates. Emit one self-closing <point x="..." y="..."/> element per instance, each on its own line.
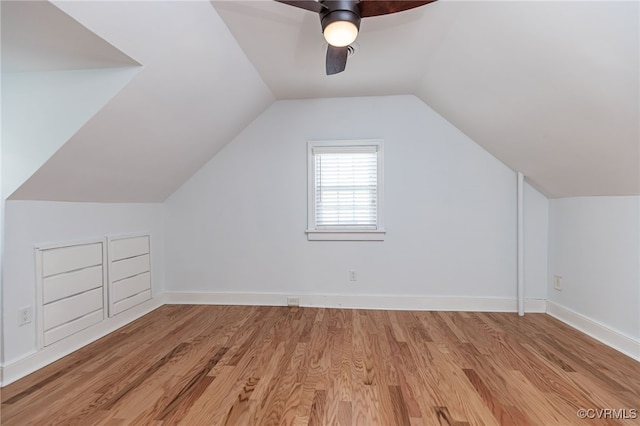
<point x="549" y="88"/>
<point x="37" y="36"/>
<point x="196" y="90"/>
<point x="49" y="61"/>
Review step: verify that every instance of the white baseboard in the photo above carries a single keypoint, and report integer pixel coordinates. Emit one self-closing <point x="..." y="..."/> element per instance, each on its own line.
<point x="20" y="368"/>
<point x="600" y="332"/>
<point x="38" y="359"/>
<point x="470" y="304"/>
<point x="535" y="306"/>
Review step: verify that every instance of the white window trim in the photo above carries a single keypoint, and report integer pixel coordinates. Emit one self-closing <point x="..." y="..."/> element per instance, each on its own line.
<point x="314" y="234"/>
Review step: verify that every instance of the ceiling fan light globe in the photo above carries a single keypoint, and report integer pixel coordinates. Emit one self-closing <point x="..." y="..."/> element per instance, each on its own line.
<point x="340" y="33"/>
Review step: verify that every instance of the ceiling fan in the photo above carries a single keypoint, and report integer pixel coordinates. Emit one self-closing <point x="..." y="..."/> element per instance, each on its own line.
<point x="340" y="20"/>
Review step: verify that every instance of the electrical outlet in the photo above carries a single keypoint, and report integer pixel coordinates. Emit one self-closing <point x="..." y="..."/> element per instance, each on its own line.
<point x="24" y="316"/>
<point x="293" y="301"/>
<point x="557" y="282"/>
<point x="353" y="276"/>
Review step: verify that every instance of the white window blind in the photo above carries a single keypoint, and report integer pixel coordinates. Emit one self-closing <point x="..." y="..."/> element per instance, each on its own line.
<point x="346" y="187"/>
<point x="345" y="190"/>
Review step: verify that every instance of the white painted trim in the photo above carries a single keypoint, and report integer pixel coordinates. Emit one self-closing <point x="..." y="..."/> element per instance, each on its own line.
<point x="471" y="304"/>
<point x="49" y="354"/>
<point x="39" y="308"/>
<point x="369" y="235"/>
<point x="39" y="305"/>
<point x="27" y="365"/>
<point x="520" y="244"/>
<point x="68" y="243"/>
<point x="126" y="235"/>
<point x="22" y="367"/>
<point x="600" y="332"/>
<point x="314" y="234"/>
<point x="535" y="306"/>
<point x="111" y="302"/>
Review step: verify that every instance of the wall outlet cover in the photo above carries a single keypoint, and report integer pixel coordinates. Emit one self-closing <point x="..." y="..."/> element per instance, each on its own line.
<point x="24" y="316"/>
<point x="557" y="282"/>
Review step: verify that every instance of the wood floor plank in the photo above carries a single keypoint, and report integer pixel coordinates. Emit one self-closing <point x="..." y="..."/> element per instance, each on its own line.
<point x="261" y="365"/>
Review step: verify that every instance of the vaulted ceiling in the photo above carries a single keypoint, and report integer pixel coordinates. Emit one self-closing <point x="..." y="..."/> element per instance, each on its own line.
<point x="549" y="88"/>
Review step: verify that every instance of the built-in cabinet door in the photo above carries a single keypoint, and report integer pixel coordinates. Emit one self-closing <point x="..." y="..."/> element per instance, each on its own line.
<point x="129" y="272"/>
<point x="71" y="289"/>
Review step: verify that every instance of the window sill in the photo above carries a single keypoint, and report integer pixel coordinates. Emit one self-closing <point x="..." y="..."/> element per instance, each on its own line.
<point x="365" y="235"/>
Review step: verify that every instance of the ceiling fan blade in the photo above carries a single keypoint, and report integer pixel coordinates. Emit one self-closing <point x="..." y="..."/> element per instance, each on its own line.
<point x="312" y="5"/>
<point x="336" y="59"/>
<point x="385" y="7"/>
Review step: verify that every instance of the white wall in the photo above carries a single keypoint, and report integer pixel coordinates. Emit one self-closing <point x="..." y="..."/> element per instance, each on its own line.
<point x="595" y="247"/>
<point x="42" y="110"/>
<point x="238" y="224"/>
<point x="28" y="223"/>
<point x="536" y="243"/>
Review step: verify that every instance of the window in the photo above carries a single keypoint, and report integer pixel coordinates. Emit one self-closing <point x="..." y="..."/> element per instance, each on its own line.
<point x="345" y="190"/>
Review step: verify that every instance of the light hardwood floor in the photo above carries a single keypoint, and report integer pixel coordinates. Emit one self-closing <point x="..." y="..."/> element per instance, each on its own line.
<point x="233" y="365"/>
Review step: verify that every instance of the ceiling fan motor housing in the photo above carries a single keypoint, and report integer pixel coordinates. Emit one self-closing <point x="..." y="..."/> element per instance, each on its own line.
<point x="340" y="10"/>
